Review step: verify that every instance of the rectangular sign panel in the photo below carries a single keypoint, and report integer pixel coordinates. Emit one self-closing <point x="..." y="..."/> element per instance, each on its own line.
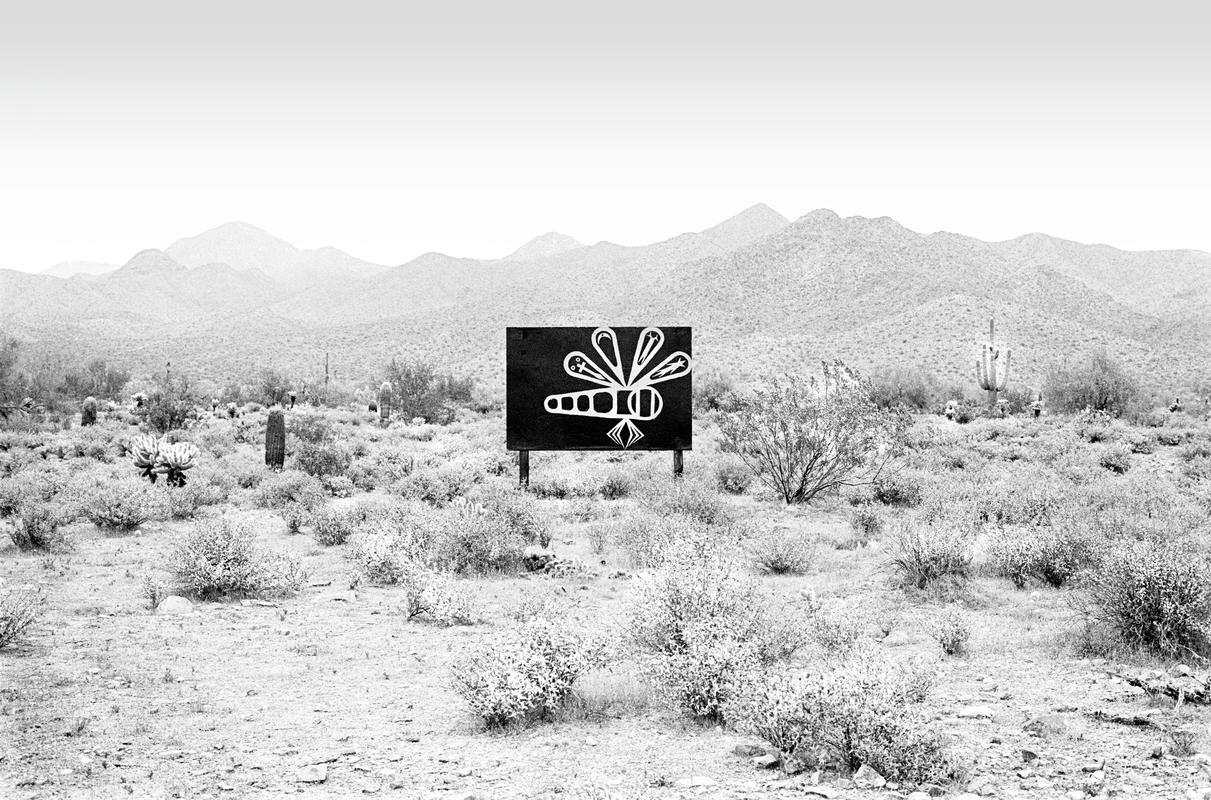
<point x="598" y="389"/>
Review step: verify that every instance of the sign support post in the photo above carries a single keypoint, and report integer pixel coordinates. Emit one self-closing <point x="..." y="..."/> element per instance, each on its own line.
<point x="678" y="463"/>
<point x="523" y="469"/>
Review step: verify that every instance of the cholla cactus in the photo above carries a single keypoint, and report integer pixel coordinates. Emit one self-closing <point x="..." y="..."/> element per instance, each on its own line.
<point x="466" y="508"/>
<point x="992" y="369"/>
<point x="143" y="452"/>
<point x="174" y="460"/>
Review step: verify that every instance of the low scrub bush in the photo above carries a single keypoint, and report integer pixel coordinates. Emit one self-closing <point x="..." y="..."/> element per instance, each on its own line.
<point x="439" y="598"/>
<point x="1052" y="555"/>
<point x="219" y="559"/>
<point x="703" y="624"/>
<point x="688" y="499"/>
<point x="123" y="505"/>
<point x="616" y="485"/>
<point x="866" y="523"/>
<point x="1116" y="459"/>
<point x="732" y="476"/>
<point x="517" y="511"/>
<point x="527" y="674"/>
<point x="37" y="527"/>
<point x="951" y="629"/>
<point x="867" y="710"/>
<point x="899" y="489"/>
<point x="19" y="608"/>
<point x="333" y="526"/>
<point x="922" y="556"/>
<point x="1153" y="595"/>
<point x="392" y="546"/>
<point x="785" y="552"/>
<point x="322" y="459"/>
<point x="279" y="489"/>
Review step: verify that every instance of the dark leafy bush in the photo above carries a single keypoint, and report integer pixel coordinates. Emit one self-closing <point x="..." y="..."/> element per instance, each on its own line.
<point x="1154" y="595"/>
<point x="1100" y="384"/>
<point x="290" y="486"/>
<point x="322" y="459"/>
<point x="922" y="556"/>
<point x="37" y="527"/>
<point x="123" y="505"/>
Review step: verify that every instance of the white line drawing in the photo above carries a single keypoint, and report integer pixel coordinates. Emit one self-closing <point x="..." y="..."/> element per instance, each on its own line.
<point x="627" y="396"/>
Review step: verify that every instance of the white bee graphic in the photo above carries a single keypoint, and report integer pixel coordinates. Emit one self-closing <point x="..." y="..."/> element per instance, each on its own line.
<point x="628" y="396"/>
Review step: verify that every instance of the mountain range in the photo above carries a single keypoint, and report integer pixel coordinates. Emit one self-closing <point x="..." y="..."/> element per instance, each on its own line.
<point x="763" y="294"/>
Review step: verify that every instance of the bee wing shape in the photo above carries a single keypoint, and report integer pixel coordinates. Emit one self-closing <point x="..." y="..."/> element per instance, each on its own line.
<point x="605" y="342"/>
<point x="674" y="366"/>
<point x="578" y="365"/>
<point x="650" y="342"/>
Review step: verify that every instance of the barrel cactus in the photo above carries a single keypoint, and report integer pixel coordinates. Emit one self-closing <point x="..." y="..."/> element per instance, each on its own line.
<point x="275" y="440"/>
<point x="992" y="368"/>
<point x="88" y="411"/>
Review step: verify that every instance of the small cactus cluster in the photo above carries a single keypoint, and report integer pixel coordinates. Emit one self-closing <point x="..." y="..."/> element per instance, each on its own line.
<point x="154" y="457"/>
<point x="88" y="411"/>
<point x="992" y="368"/>
<point x="466" y="508"/>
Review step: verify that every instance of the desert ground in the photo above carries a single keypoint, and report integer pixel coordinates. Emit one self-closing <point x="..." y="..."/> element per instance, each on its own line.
<point x="367" y="651"/>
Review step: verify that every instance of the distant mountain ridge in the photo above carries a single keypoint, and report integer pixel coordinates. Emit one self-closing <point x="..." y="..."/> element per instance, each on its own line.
<point x="764" y="295"/>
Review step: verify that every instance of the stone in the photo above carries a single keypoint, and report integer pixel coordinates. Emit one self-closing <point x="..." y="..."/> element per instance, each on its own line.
<point x="1029" y="755"/>
<point x="867" y="777"/>
<point x="975" y="712"/>
<point x="1046" y="725"/>
<point x="312" y="773"/>
<point x="1094" y="766"/>
<point x="748" y="750"/>
<point x="174" y="604"/>
<point x="764" y="761"/>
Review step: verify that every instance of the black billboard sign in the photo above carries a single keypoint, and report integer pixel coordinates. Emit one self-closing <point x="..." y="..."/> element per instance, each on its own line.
<point x="598" y="389"/>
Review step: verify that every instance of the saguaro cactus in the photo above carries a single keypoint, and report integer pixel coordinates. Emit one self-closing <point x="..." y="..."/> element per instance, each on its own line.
<point x="384" y="401"/>
<point x="88" y="411"/>
<point x="275" y="440"/>
<point x="992" y="368"/>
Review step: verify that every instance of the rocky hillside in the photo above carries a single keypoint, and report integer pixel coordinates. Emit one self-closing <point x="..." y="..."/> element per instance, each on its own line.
<point x="762" y="293"/>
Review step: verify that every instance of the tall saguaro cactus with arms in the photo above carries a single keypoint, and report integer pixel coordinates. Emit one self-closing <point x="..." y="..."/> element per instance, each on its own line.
<point x="992" y="368"/>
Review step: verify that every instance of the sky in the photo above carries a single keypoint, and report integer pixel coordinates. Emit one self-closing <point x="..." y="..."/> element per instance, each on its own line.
<point x="389" y="129"/>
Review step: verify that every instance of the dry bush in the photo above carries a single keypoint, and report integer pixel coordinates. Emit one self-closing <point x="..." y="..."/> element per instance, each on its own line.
<point x="219" y="559"/>
<point x="19" y="608"/>
<point x="279" y="489"/>
<point x="37" y="526"/>
<point x="1153" y="595"/>
<point x="785" y="552"/>
<point x="922" y="557"/>
<point x="867" y="710"/>
<point x="952" y="630"/>
<point x="528" y="673"/>
<point x="1052" y="555"/>
<point x="123" y="505"/>
<point x="439" y="598"/>
<point x="687" y="498"/>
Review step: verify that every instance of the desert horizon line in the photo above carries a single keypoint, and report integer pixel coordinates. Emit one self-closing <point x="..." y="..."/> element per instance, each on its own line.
<point x="514" y="255"/>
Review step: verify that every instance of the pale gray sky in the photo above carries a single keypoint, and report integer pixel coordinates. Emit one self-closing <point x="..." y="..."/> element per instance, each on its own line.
<point x="389" y="129"/>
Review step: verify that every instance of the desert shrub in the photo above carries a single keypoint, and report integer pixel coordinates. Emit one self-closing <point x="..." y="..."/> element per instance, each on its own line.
<point x="28" y="487"/>
<point x="437" y="597"/>
<point x="37" y="527"/>
<point x="518" y="512"/>
<point x="310" y="427"/>
<point x="436" y="485"/>
<point x="732" y="476"/>
<point x="1052" y="555"/>
<point x="185" y="501"/>
<point x="710" y="387"/>
<point x="1199" y="448"/>
<point x="322" y="459"/>
<point x="866" y="523"/>
<point x="219" y="558"/>
<point x="702" y="623"/>
<point x="295" y="515"/>
<point x="901" y="489"/>
<point x="785" y="552"/>
<point x="901" y="387"/>
<point x="1018" y="496"/>
<point x="19" y="608"/>
<point x="922" y="556"/>
<point x="801" y="438"/>
<point x="644" y="537"/>
<point x="617" y="485"/>
<point x="1154" y="595"/>
<point x="1142" y="442"/>
<point x="1172" y="437"/>
<point x="864" y="711"/>
<point x="1100" y="384"/>
<point x="951" y="629"/>
<point x="688" y="499"/>
<point x="333" y="526"/>
<point x="338" y="485"/>
<point x="419" y="391"/>
<point x="123" y="505"/>
<point x="289" y="486"/>
<point x="564" y="486"/>
<point x="1116" y="458"/>
<point x="526" y="674"/>
<point x="478" y="543"/>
